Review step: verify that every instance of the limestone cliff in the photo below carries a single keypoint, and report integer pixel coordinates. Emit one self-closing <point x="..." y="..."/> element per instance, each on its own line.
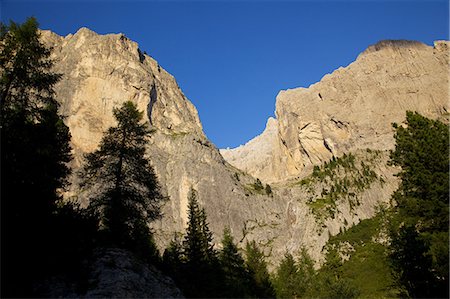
<point x="352" y="108"/>
<point x="342" y="113"/>
<point x="102" y="71"/>
<point x="256" y="156"/>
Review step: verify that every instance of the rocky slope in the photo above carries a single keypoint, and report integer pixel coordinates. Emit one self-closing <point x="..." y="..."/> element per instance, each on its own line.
<point x="102" y="71"/>
<point x="351" y="109"/>
<point x="113" y="273"/>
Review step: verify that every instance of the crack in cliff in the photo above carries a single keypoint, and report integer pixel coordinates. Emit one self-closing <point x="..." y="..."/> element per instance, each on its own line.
<point x="153" y="98"/>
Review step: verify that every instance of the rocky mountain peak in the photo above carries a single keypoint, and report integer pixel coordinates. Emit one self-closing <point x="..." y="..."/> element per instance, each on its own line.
<point x="395" y="45"/>
<point x="102" y="71"/>
<point x="353" y="108"/>
<point x="347" y="111"/>
<point x="256" y="155"/>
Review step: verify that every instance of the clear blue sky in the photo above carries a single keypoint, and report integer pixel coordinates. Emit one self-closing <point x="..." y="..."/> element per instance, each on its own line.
<point x="232" y="58"/>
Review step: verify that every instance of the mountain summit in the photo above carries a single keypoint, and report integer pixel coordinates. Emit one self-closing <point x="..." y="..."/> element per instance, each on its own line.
<point x="349" y="109"/>
<point x="346" y="116"/>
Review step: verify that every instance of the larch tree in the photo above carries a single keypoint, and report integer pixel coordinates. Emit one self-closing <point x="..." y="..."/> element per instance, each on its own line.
<point x="123" y="188"/>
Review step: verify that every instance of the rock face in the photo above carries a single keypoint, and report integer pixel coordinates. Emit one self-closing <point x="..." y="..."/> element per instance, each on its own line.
<point x="256" y="156"/>
<point x="352" y="108"/>
<point x="117" y="274"/>
<point x="101" y="72"/>
<point x="113" y="273"/>
<point x="347" y="111"/>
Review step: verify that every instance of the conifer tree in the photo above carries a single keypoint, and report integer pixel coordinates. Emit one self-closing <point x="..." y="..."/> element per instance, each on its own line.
<point x="123" y="186"/>
<point x="173" y="259"/>
<point x="329" y="282"/>
<point x="286" y="279"/>
<point x="202" y="274"/>
<point x="237" y="277"/>
<point x="196" y="244"/>
<point x="34" y="154"/>
<point x="261" y="284"/>
<point x="420" y="240"/>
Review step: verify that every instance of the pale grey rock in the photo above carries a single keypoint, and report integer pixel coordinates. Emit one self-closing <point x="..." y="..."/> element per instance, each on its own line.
<point x="101" y="72"/>
<point x="255" y="157"/>
<point x="116" y="273"/>
<point x="111" y="273"/>
<point x="354" y="107"/>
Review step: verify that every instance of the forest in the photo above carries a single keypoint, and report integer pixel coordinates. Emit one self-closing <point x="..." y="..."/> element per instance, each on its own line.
<point x="401" y="252"/>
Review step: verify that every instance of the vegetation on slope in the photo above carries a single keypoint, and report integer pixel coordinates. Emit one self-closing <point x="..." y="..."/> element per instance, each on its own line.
<point x="402" y="251"/>
<point x="364" y="257"/>
<point x="340" y="179"/>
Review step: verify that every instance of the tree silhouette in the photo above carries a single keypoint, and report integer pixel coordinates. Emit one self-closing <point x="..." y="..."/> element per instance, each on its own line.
<point x="419" y="232"/>
<point x="123" y="186"/>
<point x="286" y="280"/>
<point x="262" y="286"/>
<point x="202" y="273"/>
<point x="237" y="278"/>
<point x="34" y="154"/>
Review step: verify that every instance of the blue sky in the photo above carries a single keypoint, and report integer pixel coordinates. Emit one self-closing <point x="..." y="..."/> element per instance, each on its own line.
<point x="231" y="58"/>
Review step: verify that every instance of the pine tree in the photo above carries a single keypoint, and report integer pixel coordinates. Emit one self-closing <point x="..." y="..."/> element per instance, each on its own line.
<point x="419" y="233"/>
<point x="202" y="274"/>
<point x="286" y="279"/>
<point x="237" y="277"/>
<point x="257" y="267"/>
<point x="34" y="154"/>
<point x="195" y="245"/>
<point x="269" y="190"/>
<point x="258" y="185"/>
<point x="123" y="186"/>
<point x="173" y="259"/>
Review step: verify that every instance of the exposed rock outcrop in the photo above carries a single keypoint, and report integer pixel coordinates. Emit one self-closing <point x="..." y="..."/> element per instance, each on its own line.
<point x="353" y="108"/>
<point x="256" y="156"/>
<point x="112" y="273"/>
<point x="348" y="110"/>
<point x="101" y="72"/>
<point x="116" y="273"/>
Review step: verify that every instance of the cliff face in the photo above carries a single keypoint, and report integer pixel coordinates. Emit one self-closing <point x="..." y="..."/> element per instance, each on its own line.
<point x="101" y="72"/>
<point x="346" y="112"/>
<point x="353" y="108"/>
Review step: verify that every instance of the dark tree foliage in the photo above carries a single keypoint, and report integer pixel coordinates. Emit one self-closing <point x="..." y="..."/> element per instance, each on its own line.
<point x="124" y="190"/>
<point x="258" y="185"/>
<point x="420" y="223"/>
<point x="202" y="273"/>
<point x="269" y="190"/>
<point x="194" y="263"/>
<point x="329" y="282"/>
<point x="237" y="277"/>
<point x="197" y="244"/>
<point x="306" y="271"/>
<point x="286" y="280"/>
<point x="34" y="152"/>
<point x="256" y="265"/>
<point x="172" y="259"/>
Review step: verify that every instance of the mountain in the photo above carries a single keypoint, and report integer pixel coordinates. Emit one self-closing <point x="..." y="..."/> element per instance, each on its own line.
<point x="350" y="109"/>
<point x="347" y="116"/>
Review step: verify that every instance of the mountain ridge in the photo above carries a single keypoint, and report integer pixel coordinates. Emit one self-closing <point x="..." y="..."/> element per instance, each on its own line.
<point x="101" y="72"/>
<point x="384" y="81"/>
